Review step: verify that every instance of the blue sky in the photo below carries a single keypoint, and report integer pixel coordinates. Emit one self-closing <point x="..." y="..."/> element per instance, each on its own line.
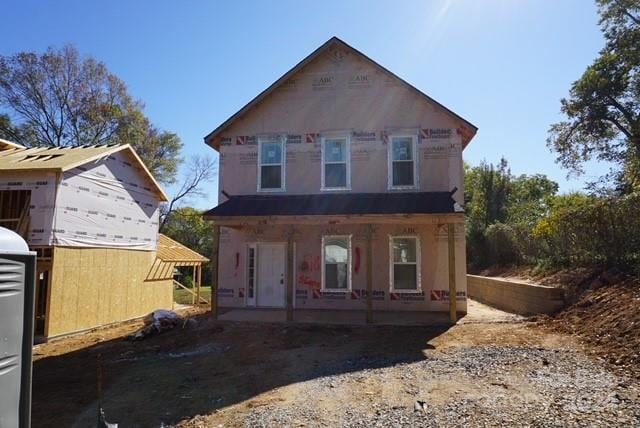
<point x="501" y="64"/>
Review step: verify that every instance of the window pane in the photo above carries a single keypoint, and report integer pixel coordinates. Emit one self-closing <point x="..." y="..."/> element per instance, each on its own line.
<point x="404" y="250"/>
<point x="335" y="175"/>
<point x="336" y="250"/>
<point x="271" y="153"/>
<point x="403" y="173"/>
<point x="402" y="148"/>
<point x="252" y="261"/>
<point x="335" y="275"/>
<point x="335" y="150"/>
<point x="270" y="177"/>
<point x="405" y="277"/>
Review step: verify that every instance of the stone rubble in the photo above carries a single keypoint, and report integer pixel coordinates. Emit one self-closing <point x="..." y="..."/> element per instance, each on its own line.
<point x="525" y="386"/>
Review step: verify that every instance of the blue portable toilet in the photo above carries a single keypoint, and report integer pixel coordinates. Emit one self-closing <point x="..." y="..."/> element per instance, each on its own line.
<point x="17" y="289"/>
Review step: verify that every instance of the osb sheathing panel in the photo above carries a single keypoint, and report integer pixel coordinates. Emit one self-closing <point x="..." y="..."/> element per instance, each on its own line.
<point x="307" y="279"/>
<point x="97" y="286"/>
<point x="359" y="98"/>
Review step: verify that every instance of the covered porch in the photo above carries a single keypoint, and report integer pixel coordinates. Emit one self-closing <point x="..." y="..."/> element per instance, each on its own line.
<point x="369" y="300"/>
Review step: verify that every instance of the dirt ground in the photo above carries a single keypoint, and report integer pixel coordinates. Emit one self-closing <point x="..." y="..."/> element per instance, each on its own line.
<point x="601" y="309"/>
<point x="492" y="368"/>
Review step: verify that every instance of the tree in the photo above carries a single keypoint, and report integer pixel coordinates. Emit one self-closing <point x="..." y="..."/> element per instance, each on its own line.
<point x="501" y="212"/>
<point x="603" y="109"/>
<point x="200" y="170"/>
<point x="487" y="187"/>
<point x="59" y="98"/>
<point x="7" y="130"/>
<point x="158" y="149"/>
<point x="187" y="226"/>
<point x="530" y="198"/>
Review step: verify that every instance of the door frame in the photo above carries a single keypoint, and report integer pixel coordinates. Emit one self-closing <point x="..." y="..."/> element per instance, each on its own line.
<point x="46" y="270"/>
<point x="255" y="302"/>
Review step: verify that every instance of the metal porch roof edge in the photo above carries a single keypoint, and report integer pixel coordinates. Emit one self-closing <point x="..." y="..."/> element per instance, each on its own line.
<point x="336" y="204"/>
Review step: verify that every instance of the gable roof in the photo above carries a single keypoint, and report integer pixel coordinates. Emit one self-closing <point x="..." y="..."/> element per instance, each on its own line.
<point x="61" y="159"/>
<point x="209" y="138"/>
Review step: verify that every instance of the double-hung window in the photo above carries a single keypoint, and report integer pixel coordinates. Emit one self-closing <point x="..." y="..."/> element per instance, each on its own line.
<point x="336" y="263"/>
<point x="336" y="160"/>
<point x="271" y="159"/>
<point x="402" y="162"/>
<point x="404" y="266"/>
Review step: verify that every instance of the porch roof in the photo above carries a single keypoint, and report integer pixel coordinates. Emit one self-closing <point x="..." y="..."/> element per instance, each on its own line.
<point x="336" y="204"/>
<point x="173" y="251"/>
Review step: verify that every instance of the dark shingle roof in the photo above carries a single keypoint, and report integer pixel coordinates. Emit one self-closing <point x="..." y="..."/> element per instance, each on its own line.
<point x="335" y="204"/>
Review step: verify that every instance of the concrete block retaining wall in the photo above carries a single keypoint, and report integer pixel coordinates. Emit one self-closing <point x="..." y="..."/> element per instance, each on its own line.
<point x="515" y="296"/>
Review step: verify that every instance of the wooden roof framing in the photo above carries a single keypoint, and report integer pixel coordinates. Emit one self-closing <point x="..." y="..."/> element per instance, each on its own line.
<point x="170" y="255"/>
<point x="61" y="159"/>
<point x="6" y="145"/>
<point x="173" y="251"/>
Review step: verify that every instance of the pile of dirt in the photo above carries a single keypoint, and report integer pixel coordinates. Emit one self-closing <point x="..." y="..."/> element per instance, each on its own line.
<point x="606" y="315"/>
<point x="602" y="309"/>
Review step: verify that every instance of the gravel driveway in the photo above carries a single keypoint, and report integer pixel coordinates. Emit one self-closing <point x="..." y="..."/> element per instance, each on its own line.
<point x="479" y="386"/>
<point x="492" y="370"/>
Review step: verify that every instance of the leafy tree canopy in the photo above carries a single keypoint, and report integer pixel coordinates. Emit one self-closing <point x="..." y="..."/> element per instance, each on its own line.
<point x="59" y="98"/>
<point x="187" y="226"/>
<point x="603" y="108"/>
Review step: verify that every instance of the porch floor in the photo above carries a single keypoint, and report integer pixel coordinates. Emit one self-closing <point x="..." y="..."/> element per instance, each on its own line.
<point x="324" y="316"/>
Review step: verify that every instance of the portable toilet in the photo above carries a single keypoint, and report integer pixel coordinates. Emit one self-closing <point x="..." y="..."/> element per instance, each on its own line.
<point x="17" y="285"/>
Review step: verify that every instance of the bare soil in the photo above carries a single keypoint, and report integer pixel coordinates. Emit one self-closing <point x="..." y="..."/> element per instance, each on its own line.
<point x="492" y="368"/>
<point x="603" y="310"/>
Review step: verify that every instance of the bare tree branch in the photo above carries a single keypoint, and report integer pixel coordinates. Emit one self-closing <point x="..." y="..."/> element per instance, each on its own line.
<point x="201" y="170"/>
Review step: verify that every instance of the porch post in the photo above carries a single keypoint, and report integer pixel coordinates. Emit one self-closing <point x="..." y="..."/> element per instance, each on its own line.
<point x="452" y="272"/>
<point x="214" y="271"/>
<point x="369" y="262"/>
<point x="197" y="275"/>
<point x="194" y="283"/>
<point x="290" y="270"/>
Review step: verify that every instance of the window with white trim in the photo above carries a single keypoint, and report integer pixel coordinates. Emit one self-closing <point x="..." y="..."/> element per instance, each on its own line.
<point x="404" y="269"/>
<point x="336" y="160"/>
<point x="402" y="162"/>
<point x="336" y="263"/>
<point x="271" y="158"/>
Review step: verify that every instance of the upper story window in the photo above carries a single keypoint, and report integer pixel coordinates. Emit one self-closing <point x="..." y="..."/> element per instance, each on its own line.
<point x="336" y="264"/>
<point x="271" y="159"/>
<point x="404" y="263"/>
<point x="336" y="163"/>
<point x="402" y="162"/>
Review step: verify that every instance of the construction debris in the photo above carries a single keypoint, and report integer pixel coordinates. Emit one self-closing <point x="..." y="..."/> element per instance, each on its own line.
<point x="102" y="421"/>
<point x="159" y="321"/>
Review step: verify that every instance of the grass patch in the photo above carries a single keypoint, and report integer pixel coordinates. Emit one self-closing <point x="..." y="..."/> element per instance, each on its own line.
<point x="185" y="298"/>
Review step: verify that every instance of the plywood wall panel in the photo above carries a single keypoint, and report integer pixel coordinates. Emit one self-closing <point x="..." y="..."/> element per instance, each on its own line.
<point x="96" y="286"/>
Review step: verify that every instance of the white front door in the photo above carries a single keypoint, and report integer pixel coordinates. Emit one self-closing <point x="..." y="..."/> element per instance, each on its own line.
<point x="271" y="280"/>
